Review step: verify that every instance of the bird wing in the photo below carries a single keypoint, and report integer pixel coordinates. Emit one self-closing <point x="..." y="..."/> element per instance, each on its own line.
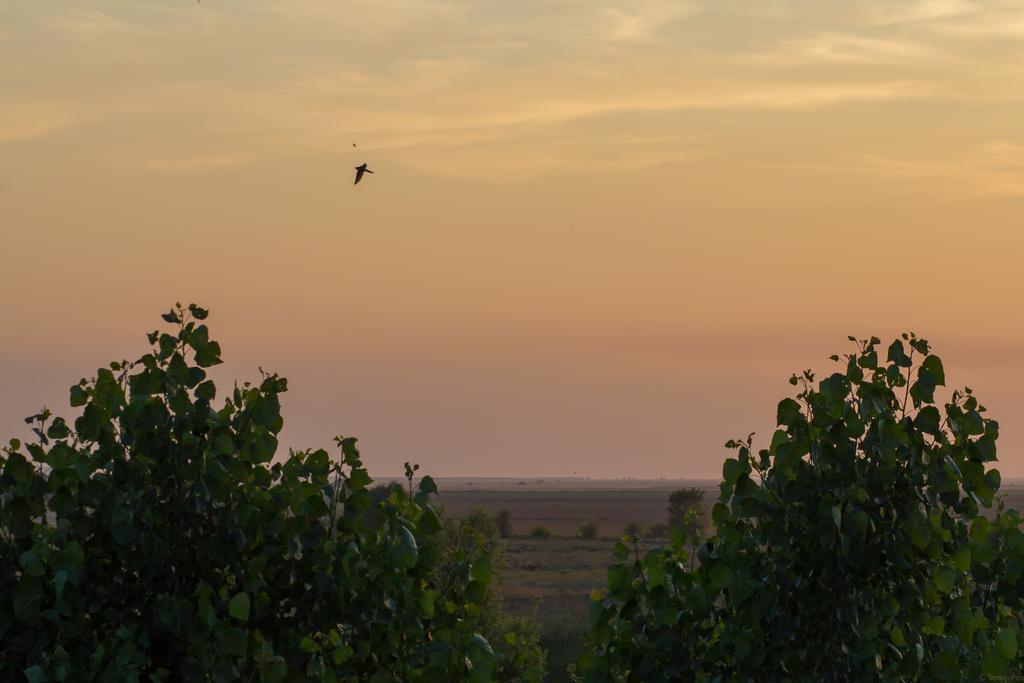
<point x="359" y="175"/>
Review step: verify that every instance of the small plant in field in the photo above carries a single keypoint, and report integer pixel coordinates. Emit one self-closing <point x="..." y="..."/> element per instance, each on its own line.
<point x="633" y="530"/>
<point x="657" y="531"/>
<point x="504" y="521"/>
<point x="686" y="510"/>
<point x="540" y="532"/>
<point x="589" y="531"/>
<point x="852" y="548"/>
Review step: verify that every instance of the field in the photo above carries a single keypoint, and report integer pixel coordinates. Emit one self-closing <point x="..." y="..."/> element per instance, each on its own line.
<point x="552" y="578"/>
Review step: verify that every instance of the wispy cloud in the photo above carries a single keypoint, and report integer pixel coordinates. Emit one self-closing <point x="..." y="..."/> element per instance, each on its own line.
<point x="23" y="121"/>
<point x="909" y="11"/>
<point x="840" y="48"/>
<point x="988" y="169"/>
<point x="640" y="22"/>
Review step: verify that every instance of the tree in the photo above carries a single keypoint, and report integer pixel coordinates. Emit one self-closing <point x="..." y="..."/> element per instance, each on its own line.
<point x="156" y="538"/>
<point x="686" y="510"/>
<point x="851" y="549"/>
<point x="476" y="540"/>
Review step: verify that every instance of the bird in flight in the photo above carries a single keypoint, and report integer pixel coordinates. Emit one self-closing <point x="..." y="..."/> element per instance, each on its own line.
<point x="360" y="170"/>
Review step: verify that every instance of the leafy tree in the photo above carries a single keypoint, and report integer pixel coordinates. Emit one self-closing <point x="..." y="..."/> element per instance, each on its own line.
<point x="589" y="531"/>
<point x="155" y="539"/>
<point x="686" y="510"/>
<point x="540" y="531"/>
<point x="476" y="539"/>
<point x="851" y="549"/>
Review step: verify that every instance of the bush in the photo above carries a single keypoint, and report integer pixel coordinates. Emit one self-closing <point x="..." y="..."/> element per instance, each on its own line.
<point x="589" y="531"/>
<point x="857" y="553"/>
<point x="475" y="541"/>
<point x="540" y="532"/>
<point x="686" y="511"/>
<point x="155" y="539"/>
<point x="633" y="530"/>
<point x="657" y="531"/>
<point x="504" y="521"/>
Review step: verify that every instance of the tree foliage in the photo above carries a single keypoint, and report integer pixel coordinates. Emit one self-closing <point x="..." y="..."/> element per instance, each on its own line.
<point x="853" y="548"/>
<point x="477" y="539"/>
<point x="155" y="538"/>
<point x="686" y="510"/>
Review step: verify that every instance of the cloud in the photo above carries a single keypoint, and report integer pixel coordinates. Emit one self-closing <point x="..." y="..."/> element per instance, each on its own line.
<point x="640" y="23"/>
<point x="987" y="169"/>
<point x="21" y="121"/>
<point x="839" y="48"/>
<point x="198" y="162"/>
<point x="911" y="11"/>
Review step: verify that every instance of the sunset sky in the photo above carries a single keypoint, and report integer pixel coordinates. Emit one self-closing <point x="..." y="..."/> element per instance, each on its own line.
<point x="598" y="239"/>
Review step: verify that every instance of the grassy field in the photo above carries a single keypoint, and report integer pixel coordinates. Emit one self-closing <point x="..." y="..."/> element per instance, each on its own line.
<point x="551" y="578"/>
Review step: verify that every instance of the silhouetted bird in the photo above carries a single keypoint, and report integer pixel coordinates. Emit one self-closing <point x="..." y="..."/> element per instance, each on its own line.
<point x="360" y="170"/>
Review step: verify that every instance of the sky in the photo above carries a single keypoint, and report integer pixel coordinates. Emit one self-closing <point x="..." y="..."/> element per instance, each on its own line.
<point x="599" y="238"/>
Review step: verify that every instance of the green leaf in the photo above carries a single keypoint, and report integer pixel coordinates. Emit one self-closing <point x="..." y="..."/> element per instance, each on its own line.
<point x="962" y="559"/>
<point x="238" y="607"/>
<point x="618" y="577"/>
<point x="481" y="569"/>
<point x="944" y="580"/>
<point x="1006" y="642"/>
<point x="944" y="666"/>
<point x="79" y="397"/>
<point x="994" y="664"/>
<point x="427" y="601"/>
<point x="731" y="470"/>
<point x="897" y="637"/>
<point x="405" y="552"/>
<point x="932" y="367"/>
<point x="720" y="514"/>
<point x="897" y="354"/>
<point x="788" y="412"/>
<point x="34" y="674"/>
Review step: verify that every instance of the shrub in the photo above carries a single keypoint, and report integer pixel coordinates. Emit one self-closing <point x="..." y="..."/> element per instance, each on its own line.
<point x="540" y="532"/>
<point x="155" y="539"/>
<point x="589" y="531"/>
<point x="504" y="520"/>
<point x="686" y="510"/>
<point x="658" y="531"/>
<point x="856" y="553"/>
<point x="475" y="541"/>
<point x="633" y="530"/>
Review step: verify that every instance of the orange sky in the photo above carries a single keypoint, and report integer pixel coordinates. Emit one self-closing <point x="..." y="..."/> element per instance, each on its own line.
<point x="599" y="237"/>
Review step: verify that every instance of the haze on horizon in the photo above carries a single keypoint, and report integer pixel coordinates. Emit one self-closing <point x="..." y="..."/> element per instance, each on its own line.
<point x="599" y="238"/>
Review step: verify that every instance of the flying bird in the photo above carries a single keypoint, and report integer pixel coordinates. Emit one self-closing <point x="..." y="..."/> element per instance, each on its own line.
<point x="360" y="170"/>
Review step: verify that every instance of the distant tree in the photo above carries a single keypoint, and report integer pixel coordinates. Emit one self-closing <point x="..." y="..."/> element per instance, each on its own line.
<point x="853" y="548"/>
<point x="540" y="532"/>
<point x="589" y="531"/>
<point x="686" y="510"/>
<point x="504" y="520"/>
<point x="633" y="530"/>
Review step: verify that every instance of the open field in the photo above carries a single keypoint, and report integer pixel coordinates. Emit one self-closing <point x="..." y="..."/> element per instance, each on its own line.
<point x="552" y="578"/>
